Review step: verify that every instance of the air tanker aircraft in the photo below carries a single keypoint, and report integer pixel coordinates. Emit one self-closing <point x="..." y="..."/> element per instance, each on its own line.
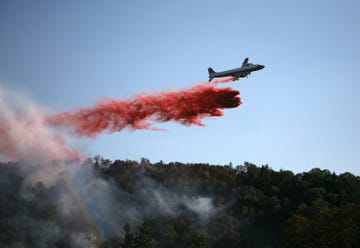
<point x="237" y="73"/>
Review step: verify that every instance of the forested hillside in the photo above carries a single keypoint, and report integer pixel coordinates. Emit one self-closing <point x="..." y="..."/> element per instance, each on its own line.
<point x="104" y="203"/>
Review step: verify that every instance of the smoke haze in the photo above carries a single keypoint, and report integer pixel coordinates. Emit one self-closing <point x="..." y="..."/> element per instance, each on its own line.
<point x="24" y="133"/>
<point x="80" y="202"/>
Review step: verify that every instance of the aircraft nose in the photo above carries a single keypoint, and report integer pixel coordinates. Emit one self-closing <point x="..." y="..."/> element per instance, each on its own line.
<point x="261" y="67"/>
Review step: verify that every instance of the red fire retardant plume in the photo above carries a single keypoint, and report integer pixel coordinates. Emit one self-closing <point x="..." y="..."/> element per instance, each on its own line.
<point x="186" y="106"/>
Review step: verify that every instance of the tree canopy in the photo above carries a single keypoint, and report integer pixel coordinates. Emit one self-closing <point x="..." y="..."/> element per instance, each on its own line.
<point x="198" y="205"/>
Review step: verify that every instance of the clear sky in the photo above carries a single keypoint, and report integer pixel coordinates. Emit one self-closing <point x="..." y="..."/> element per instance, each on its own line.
<point x="301" y="111"/>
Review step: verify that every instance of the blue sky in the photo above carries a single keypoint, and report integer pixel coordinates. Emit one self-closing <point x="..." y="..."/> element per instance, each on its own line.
<point x="301" y="111"/>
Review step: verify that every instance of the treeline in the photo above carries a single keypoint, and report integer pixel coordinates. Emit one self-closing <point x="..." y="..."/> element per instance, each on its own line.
<point x="250" y="206"/>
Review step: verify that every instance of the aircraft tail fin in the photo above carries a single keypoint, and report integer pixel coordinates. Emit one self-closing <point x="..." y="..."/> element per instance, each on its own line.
<point x="211" y="73"/>
<point x="246" y="61"/>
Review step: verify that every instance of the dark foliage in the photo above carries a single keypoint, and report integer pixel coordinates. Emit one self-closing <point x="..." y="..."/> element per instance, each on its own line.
<point x="255" y="207"/>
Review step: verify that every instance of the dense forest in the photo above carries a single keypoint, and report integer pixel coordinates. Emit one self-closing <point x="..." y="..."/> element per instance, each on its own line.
<point x="103" y="203"/>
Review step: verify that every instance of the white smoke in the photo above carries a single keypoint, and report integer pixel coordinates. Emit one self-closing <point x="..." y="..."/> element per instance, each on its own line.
<point x="25" y="135"/>
<point x="203" y="206"/>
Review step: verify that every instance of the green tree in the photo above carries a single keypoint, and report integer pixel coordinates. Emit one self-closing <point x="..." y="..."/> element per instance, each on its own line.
<point x="144" y="237"/>
<point x="201" y="240"/>
<point x="129" y="239"/>
<point x="320" y="226"/>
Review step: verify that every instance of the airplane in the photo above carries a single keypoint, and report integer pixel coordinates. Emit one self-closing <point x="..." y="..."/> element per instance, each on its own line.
<point x="237" y="73"/>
